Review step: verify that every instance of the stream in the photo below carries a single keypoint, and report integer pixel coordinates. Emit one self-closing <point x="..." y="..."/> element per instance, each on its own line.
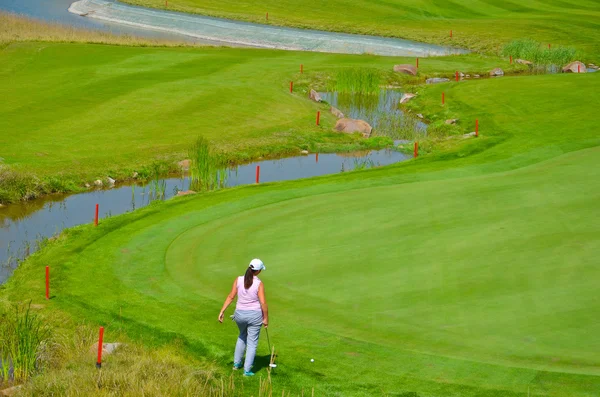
<point x="23" y="225"/>
<point x="127" y="19"/>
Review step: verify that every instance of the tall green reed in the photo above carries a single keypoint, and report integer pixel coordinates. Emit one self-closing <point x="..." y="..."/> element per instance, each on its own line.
<point x="208" y="170"/>
<point x="22" y="338"/>
<point x="540" y="55"/>
<point x="356" y="81"/>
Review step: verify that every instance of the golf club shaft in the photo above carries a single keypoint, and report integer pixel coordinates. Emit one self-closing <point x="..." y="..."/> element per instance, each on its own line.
<point x="269" y="342"/>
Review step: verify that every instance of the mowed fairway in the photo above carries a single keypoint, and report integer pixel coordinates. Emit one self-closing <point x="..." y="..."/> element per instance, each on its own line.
<point x="465" y="273"/>
<point x="477" y="24"/>
<point x="85" y="111"/>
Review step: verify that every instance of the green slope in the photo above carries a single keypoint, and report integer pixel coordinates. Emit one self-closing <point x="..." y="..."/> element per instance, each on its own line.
<point x="91" y="110"/>
<point x="476" y="24"/>
<point x="468" y="272"/>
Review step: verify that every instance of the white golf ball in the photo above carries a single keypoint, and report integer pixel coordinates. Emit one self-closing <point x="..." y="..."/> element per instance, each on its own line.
<point x="312" y="360"/>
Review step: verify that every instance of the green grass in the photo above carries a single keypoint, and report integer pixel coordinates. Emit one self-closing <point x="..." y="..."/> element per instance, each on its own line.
<point x="539" y="54"/>
<point x="470" y="271"/>
<point x="476" y="24"/>
<point x="112" y="110"/>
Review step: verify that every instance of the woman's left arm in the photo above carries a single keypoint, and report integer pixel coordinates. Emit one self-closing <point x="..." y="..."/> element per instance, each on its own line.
<point x="228" y="300"/>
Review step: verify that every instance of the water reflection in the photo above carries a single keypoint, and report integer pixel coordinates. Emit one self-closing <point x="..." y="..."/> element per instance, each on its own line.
<point x="21" y="225"/>
<point x="381" y="111"/>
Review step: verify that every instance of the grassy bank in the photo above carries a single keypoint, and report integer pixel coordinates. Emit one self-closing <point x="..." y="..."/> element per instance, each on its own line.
<point x="478" y="25"/>
<point x="114" y="110"/>
<point x="467" y="272"/>
<point x="17" y="28"/>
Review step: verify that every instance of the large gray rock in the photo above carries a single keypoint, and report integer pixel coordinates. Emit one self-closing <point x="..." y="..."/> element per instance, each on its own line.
<point x="406" y="69"/>
<point x="575" y="67"/>
<point x="407" y="97"/>
<point x="350" y="126"/>
<point x="110" y="180"/>
<point x="337" y="112"/>
<point x="98" y="183"/>
<point x="436" y="80"/>
<point x="314" y="95"/>
<point x="451" y="121"/>
<point x="497" y="72"/>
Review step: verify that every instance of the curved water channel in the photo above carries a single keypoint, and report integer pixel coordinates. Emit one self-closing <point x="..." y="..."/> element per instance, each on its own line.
<point x="23" y="225"/>
<point x="126" y="19"/>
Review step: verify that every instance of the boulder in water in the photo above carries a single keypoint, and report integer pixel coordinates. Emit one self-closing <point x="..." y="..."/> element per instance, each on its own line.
<point x="337" y="112"/>
<point x="350" y="126"/>
<point x="406" y="69"/>
<point x="407" y="97"/>
<point x="575" y="67"/>
<point x="314" y="95"/>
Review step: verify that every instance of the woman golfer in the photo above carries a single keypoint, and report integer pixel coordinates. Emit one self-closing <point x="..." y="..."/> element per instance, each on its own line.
<point x="250" y="314"/>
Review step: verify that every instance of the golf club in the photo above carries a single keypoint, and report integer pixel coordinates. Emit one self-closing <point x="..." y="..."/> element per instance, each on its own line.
<point x="271" y="352"/>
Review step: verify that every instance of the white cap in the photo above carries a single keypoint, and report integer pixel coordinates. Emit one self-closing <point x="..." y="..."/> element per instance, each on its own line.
<point x="257" y="264"/>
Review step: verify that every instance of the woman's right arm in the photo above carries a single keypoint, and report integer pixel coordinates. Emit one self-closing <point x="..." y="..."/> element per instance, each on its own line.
<point x="263" y="304"/>
<point x="228" y="300"/>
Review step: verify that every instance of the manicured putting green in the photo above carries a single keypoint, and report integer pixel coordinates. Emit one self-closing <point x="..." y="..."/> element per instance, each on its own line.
<point x="486" y="287"/>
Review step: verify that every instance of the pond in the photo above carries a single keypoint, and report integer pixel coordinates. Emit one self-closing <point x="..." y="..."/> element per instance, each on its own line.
<point x="22" y="225"/>
<point x="380" y="110"/>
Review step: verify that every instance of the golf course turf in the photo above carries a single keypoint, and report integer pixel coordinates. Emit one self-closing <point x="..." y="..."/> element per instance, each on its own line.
<point x="470" y="271"/>
<point x="475" y="24"/>
<point x="111" y="110"/>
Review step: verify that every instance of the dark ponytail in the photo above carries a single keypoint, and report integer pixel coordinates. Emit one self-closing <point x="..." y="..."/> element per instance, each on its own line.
<point x="248" y="278"/>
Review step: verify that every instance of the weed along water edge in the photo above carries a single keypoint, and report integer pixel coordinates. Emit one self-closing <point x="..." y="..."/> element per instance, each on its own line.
<point x="24" y="226"/>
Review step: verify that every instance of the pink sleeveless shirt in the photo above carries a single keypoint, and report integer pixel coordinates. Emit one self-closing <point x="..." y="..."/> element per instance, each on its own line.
<point x="247" y="298"/>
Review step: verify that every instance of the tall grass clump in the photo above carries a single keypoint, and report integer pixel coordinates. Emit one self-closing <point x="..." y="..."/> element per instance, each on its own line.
<point x="356" y="81"/>
<point x="22" y="339"/>
<point x="208" y="169"/>
<point x="20" y="28"/>
<point x="539" y="54"/>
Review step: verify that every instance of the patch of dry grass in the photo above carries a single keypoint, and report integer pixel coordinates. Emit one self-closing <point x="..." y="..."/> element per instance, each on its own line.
<point x="15" y="28"/>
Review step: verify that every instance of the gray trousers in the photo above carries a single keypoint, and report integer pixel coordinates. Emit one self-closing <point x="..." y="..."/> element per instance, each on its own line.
<point x="249" y="322"/>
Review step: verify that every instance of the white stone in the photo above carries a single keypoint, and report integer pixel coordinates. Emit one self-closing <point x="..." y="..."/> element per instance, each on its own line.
<point x="110" y="180"/>
<point x="98" y="183"/>
<point x="304" y="152"/>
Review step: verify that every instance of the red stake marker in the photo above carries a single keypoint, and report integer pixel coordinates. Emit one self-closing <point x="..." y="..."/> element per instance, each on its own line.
<point x="47" y="282"/>
<point x="318" y="117"/>
<point x="450" y="33"/>
<point x="99" y="362"/>
<point x="267" y="16"/>
<point x="417" y="63"/>
<point x="257" y="173"/>
<point x="548" y="45"/>
<point x="301" y="68"/>
<point x="416" y="154"/>
<point x="511" y="59"/>
<point x="456" y="76"/>
<point x="96" y="216"/>
<point x="166" y="3"/>
<point x="291" y="86"/>
<point x="317" y="157"/>
<point x="443" y="98"/>
<point x="578" y="68"/>
<point x="476" y="127"/>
